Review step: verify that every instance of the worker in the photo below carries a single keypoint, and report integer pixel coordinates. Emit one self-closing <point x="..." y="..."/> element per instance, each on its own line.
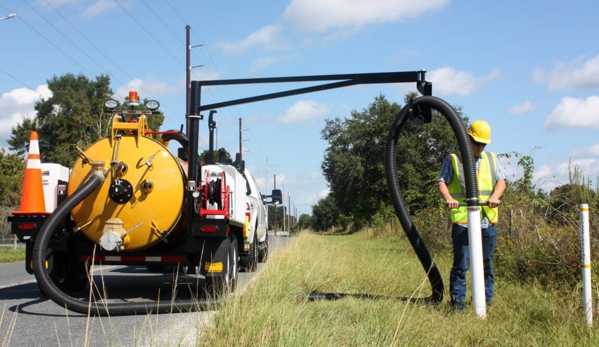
<point x="451" y="186"/>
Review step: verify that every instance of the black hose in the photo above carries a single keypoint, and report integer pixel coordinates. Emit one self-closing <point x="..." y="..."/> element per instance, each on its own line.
<point x="97" y="309"/>
<point x="427" y="102"/>
<point x="177" y="136"/>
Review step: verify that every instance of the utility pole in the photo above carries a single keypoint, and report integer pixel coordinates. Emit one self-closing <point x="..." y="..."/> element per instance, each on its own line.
<point x="266" y="189"/>
<point x="240" y="141"/>
<point x="275" y="221"/>
<point x="188" y="68"/>
<point x="289" y="213"/>
<point x="284" y="214"/>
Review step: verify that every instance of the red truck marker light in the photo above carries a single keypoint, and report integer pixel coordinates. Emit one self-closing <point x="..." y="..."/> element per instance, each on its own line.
<point x="209" y="228"/>
<point x="27" y="226"/>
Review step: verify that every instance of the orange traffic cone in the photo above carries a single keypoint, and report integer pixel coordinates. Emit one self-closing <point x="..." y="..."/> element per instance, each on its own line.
<point x="32" y="197"/>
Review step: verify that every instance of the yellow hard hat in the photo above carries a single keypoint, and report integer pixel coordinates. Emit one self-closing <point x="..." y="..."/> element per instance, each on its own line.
<point x="480" y="131"/>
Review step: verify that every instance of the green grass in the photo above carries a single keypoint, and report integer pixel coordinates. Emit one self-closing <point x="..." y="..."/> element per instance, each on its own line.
<point x="11" y="256"/>
<point x="274" y="310"/>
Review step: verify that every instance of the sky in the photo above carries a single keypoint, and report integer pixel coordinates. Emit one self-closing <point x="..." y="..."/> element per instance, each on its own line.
<point x="529" y="68"/>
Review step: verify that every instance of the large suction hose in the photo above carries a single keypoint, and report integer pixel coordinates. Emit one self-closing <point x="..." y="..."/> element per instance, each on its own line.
<point x="413" y="110"/>
<point x="100" y="309"/>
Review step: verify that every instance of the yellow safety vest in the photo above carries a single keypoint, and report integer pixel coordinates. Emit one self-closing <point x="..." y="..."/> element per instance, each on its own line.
<point x="486" y="178"/>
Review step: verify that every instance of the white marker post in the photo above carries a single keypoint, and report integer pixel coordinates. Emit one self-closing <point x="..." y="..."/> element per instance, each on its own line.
<point x="475" y="245"/>
<point x="586" y="263"/>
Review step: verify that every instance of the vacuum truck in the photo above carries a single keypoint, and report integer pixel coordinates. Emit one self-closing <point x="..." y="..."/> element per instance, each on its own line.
<point x="131" y="202"/>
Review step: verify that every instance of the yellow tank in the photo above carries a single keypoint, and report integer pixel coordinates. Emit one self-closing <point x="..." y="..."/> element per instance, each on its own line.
<point x="141" y="201"/>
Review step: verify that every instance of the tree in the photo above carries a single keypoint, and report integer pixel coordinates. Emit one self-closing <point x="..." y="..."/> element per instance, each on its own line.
<point x="73" y="116"/>
<point x="325" y="214"/>
<point x="304" y="221"/>
<point x="12" y="168"/>
<point x="220" y="156"/>
<point x="275" y="217"/>
<point x="354" y="164"/>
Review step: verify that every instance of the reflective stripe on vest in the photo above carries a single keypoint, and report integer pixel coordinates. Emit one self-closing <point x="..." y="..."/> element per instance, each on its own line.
<point x="486" y="179"/>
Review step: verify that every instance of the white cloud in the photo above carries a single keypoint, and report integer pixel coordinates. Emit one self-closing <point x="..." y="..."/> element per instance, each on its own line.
<point x="149" y="89"/>
<point x="57" y="3"/>
<point x="552" y="175"/>
<point x="262" y="63"/>
<point x="524" y="107"/>
<point x="100" y="7"/>
<point x="302" y="111"/>
<point x="17" y="105"/>
<point x="578" y="73"/>
<point x="510" y="168"/>
<point x="313" y="198"/>
<point x="592" y="151"/>
<point x="448" y="81"/>
<point x="256" y="118"/>
<point x="322" y="15"/>
<point x="300" y="196"/>
<point x="574" y="113"/>
<point x="267" y="37"/>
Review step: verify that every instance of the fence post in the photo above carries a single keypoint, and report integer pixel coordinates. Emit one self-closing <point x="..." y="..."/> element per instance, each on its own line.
<point x="586" y="263"/>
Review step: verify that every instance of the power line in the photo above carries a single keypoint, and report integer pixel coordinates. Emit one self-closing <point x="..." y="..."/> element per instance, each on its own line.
<point x="66" y="37"/>
<point x="23" y="83"/>
<point x="160" y="19"/>
<point x="236" y="109"/>
<point x="105" y="56"/>
<point x="146" y="30"/>
<point x="55" y="46"/>
<point x="209" y="90"/>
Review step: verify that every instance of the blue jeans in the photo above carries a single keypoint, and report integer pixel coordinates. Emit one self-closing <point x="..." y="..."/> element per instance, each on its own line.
<point x="461" y="261"/>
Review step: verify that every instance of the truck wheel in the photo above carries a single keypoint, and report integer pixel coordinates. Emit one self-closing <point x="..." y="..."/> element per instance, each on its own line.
<point x="217" y="286"/>
<point x="250" y="261"/>
<point x="68" y="276"/>
<point x="233" y="262"/>
<point x="263" y="253"/>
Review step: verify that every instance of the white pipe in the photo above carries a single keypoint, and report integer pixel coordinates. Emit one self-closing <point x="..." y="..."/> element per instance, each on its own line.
<point x="475" y="245"/>
<point x="586" y="263"/>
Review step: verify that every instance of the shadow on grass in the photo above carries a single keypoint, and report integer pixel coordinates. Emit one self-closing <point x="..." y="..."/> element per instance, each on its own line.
<point x="338" y="296"/>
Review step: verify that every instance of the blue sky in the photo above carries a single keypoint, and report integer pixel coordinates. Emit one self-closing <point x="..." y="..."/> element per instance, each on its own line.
<point x="530" y="68"/>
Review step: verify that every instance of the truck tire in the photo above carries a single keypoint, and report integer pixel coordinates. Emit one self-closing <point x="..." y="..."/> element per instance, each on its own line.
<point x="250" y="261"/>
<point x="217" y="286"/>
<point x="263" y="253"/>
<point x="68" y="275"/>
<point x="233" y="262"/>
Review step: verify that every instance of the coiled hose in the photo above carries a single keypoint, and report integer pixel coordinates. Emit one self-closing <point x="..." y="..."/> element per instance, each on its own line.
<point x="413" y="111"/>
<point x="96" y="309"/>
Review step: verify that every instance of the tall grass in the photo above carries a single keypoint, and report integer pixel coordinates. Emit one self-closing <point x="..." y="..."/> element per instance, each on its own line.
<point x="8" y="255"/>
<point x="275" y="310"/>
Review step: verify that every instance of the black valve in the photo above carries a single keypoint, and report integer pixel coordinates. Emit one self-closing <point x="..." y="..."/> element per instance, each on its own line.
<point x="120" y="191"/>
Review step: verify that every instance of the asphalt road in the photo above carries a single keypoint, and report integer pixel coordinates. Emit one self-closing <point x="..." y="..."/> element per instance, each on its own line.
<point x="30" y="319"/>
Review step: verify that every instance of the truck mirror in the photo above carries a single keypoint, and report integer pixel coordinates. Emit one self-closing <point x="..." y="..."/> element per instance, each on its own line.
<point x="277" y="196"/>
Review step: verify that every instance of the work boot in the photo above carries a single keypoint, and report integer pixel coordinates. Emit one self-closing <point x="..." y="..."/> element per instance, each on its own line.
<point x="458" y="307"/>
